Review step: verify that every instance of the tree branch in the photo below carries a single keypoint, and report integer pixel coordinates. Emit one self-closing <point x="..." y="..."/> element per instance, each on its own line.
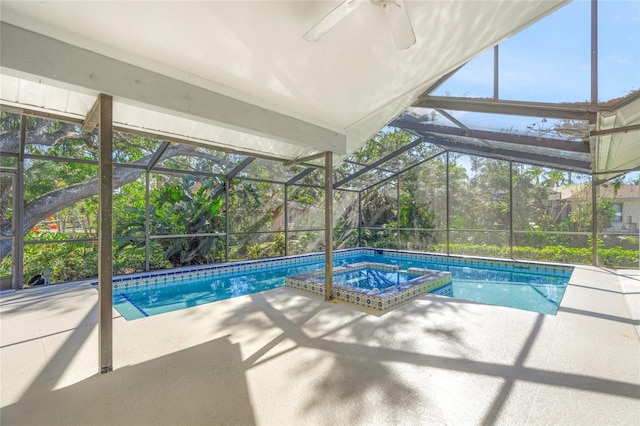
<point x="59" y="199"/>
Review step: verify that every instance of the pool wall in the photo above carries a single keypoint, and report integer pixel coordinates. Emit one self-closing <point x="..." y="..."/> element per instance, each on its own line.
<point x="166" y="278"/>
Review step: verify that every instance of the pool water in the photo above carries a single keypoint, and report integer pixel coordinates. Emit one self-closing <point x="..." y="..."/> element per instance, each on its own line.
<point x="538" y="291"/>
<point x="542" y="298"/>
<point x="371" y="279"/>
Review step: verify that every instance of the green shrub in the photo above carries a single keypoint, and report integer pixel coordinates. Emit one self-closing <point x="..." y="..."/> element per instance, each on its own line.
<point x="76" y="261"/>
<point x="614" y="257"/>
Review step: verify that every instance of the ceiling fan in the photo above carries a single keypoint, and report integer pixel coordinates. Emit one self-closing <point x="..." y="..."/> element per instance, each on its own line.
<point x="395" y="10"/>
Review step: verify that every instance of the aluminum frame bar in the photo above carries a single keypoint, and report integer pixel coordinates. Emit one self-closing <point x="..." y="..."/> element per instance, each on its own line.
<point x="300" y="175"/>
<point x="431" y="157"/>
<point x="305" y="159"/>
<point x="580" y="111"/>
<point x="157" y="155"/>
<point x="623" y="129"/>
<point x="582" y="147"/>
<point x="237" y="169"/>
<point x="384" y="159"/>
<point x="355" y="163"/>
<point x="517" y="156"/>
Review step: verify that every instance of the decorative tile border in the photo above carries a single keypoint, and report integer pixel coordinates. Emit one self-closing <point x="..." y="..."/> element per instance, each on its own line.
<point x="172" y="277"/>
<point x="426" y="280"/>
<point x="552" y="269"/>
<point x="445" y="290"/>
<point x="167" y="278"/>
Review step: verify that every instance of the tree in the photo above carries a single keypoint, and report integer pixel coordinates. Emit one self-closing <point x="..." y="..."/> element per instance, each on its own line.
<point x="188" y="207"/>
<point x="73" y="182"/>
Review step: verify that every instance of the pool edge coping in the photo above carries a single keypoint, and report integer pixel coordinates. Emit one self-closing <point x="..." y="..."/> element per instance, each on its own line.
<point x="237" y="266"/>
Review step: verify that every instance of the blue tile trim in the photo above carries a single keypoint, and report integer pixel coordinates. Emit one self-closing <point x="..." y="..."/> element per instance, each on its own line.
<point x="490" y="263"/>
<point x="159" y="278"/>
<point x="134" y="304"/>
<point x="382" y="300"/>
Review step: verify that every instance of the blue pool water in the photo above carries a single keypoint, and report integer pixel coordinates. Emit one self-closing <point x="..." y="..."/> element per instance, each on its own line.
<point x="528" y="289"/>
<point x="371" y="279"/>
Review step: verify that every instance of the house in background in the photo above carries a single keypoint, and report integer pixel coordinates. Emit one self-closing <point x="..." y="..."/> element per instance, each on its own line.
<point x="625" y="203"/>
<point x="626" y="206"/>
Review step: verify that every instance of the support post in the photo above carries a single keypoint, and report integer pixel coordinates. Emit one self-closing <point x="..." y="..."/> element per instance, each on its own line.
<point x="398" y="212"/>
<point x="286" y="220"/>
<point x="359" y="218"/>
<point x="328" y="225"/>
<point x="448" y="231"/>
<point x="226" y="219"/>
<point x="496" y="71"/>
<point x="511" y="235"/>
<point x="147" y="230"/>
<point x="105" y="236"/>
<point x="594" y="52"/>
<point x="18" y="208"/>
<point x="594" y="220"/>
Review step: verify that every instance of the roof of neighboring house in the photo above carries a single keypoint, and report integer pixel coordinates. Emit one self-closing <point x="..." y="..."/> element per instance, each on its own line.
<point x="581" y="190"/>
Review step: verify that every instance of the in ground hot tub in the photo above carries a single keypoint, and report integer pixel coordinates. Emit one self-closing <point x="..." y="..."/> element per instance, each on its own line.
<point x="374" y="285"/>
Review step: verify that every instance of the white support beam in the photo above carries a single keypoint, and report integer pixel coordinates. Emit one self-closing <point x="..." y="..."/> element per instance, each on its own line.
<point x="31" y="55"/>
<point x="93" y="117"/>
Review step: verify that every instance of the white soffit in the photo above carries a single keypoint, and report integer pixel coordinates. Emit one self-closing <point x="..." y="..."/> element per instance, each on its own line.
<point x="299" y="97"/>
<point x="40" y="96"/>
<point x="619" y="151"/>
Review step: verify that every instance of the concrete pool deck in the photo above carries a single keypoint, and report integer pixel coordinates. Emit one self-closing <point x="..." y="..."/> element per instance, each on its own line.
<point x="285" y="358"/>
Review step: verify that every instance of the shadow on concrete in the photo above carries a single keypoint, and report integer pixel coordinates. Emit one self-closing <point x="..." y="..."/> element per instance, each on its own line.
<point x="355" y="351"/>
<point x="606" y="317"/>
<point x="601" y="289"/>
<point x="499" y="401"/>
<point x="626" y="273"/>
<point x="349" y="354"/>
<point x="204" y="384"/>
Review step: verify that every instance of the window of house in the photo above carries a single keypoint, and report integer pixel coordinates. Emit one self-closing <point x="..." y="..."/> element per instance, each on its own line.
<point x="617" y="212"/>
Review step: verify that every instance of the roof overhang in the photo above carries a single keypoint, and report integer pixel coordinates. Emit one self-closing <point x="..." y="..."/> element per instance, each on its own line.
<point x="616" y="140"/>
<point x="239" y="75"/>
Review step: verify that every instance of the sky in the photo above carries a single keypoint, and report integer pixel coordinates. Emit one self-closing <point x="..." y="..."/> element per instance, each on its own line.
<point x="550" y="61"/>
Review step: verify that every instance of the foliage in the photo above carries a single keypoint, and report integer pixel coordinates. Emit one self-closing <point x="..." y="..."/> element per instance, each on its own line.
<point x="277" y="248"/>
<point x="186" y="207"/>
<point x="616" y="257"/>
<point x="379" y="237"/>
<point x="343" y="235"/>
<point x="273" y="248"/>
<point x="256" y="251"/>
<point x="408" y="210"/>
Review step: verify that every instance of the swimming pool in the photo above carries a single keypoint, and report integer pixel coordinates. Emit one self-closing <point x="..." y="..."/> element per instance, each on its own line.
<point x="530" y="286"/>
<point x="378" y="286"/>
<point x="370" y="276"/>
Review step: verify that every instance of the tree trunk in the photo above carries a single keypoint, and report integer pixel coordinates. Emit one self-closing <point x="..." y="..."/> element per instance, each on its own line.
<point x="53" y="202"/>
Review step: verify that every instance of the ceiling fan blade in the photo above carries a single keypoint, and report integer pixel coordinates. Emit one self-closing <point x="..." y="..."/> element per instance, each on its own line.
<point x="329" y="21"/>
<point x="398" y="17"/>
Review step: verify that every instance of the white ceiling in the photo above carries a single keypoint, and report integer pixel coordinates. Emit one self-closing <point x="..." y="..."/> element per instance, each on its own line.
<point x="239" y="73"/>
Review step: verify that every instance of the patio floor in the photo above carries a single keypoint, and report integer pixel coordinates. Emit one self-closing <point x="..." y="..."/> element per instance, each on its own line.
<point x="286" y="358"/>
